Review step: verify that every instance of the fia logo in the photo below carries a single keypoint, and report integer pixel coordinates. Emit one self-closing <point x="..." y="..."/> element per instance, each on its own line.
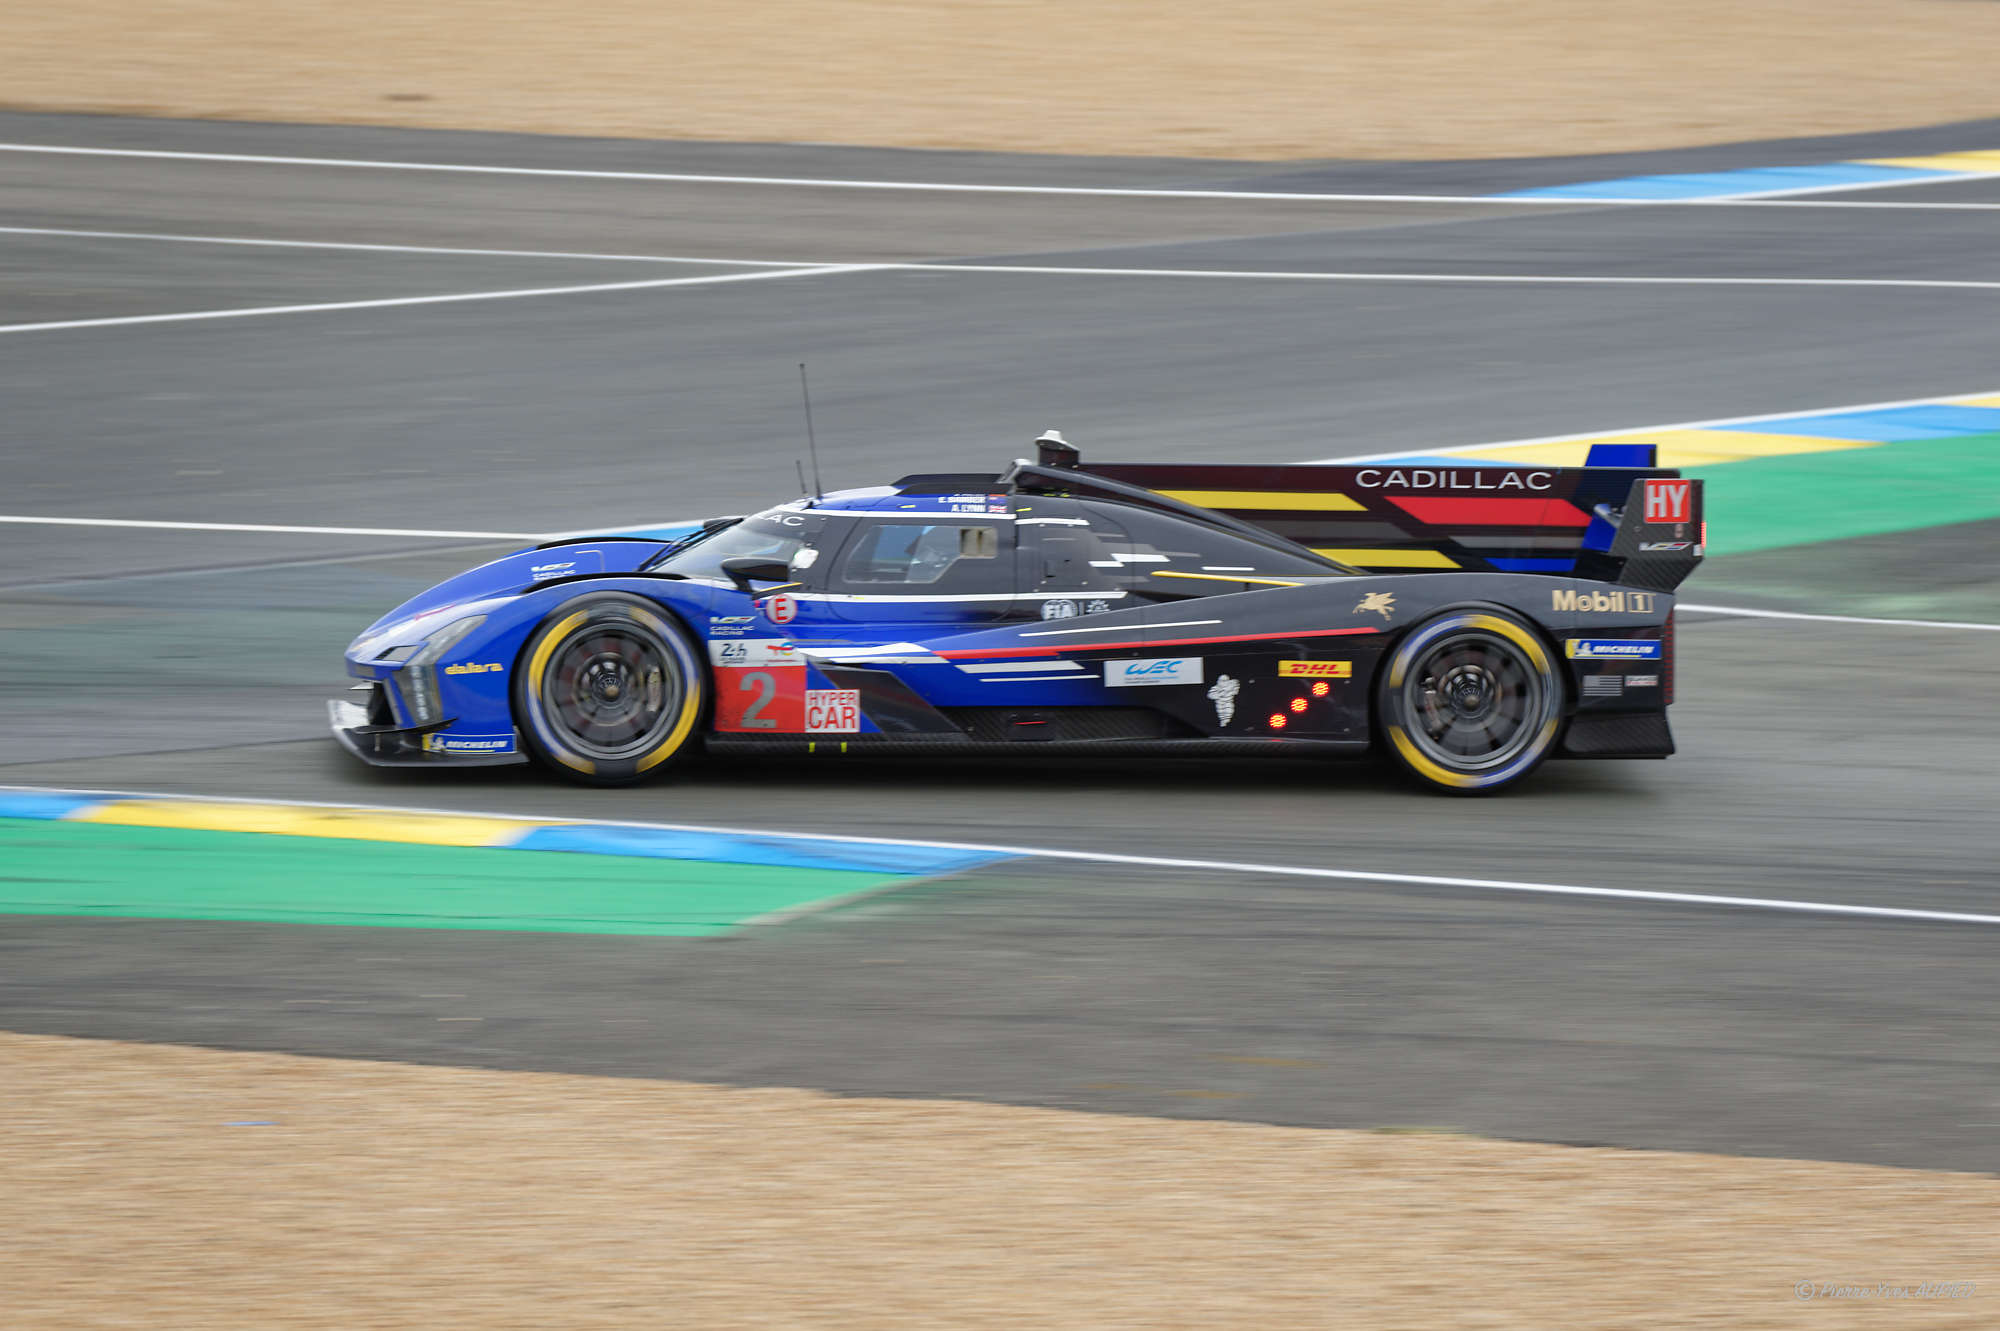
<point x="1381" y="603"/>
<point x="1060" y="608"/>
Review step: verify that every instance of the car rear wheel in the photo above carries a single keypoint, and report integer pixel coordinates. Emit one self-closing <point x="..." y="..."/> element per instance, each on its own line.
<point x="1470" y="701"/>
<point x="609" y="689"/>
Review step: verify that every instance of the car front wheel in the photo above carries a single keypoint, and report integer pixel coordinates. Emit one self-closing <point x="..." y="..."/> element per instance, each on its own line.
<point x="609" y="689"/>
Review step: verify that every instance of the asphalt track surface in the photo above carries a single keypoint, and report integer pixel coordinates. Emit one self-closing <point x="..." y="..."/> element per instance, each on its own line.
<point x="1820" y="762"/>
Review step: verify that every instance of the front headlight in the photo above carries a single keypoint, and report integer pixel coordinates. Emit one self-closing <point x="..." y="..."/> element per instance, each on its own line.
<point x="418" y="679"/>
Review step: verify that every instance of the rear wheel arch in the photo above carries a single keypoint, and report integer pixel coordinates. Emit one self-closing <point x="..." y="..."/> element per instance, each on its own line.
<point x="1399" y="712"/>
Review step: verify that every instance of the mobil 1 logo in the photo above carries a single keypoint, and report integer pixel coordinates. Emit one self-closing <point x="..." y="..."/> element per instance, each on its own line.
<point x="1603" y="601"/>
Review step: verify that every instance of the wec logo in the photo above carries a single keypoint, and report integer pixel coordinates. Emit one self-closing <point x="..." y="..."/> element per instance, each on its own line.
<point x="1159" y="670"/>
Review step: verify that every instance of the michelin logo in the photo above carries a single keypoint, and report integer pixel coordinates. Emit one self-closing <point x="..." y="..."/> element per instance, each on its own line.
<point x="1159" y="670"/>
<point x="1611" y="649"/>
<point x="469" y="743"/>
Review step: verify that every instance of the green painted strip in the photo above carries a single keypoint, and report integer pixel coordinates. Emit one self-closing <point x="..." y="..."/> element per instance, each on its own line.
<point x="1770" y="503"/>
<point x="59" y="868"/>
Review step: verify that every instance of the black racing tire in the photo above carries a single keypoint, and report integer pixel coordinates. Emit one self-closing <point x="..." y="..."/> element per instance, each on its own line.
<point x="1470" y="701"/>
<point x="609" y="690"/>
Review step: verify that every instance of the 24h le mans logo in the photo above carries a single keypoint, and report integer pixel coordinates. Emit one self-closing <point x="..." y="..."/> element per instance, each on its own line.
<point x="1380" y="602"/>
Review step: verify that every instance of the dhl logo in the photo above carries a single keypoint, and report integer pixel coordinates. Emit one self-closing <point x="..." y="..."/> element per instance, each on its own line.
<point x="1316" y="669"/>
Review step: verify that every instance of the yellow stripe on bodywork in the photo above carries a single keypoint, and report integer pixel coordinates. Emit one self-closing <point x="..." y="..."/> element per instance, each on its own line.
<point x="1993" y="401"/>
<point x="1984" y="160"/>
<point x="1288" y="501"/>
<point x="1224" y="577"/>
<point x="422" y="829"/>
<point x="1389" y="558"/>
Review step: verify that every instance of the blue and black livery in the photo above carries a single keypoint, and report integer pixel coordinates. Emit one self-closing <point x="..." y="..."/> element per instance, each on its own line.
<point x="1467" y="621"/>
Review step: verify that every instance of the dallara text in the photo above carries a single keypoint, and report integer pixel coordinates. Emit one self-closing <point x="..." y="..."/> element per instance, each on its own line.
<point x="1467" y="621"/>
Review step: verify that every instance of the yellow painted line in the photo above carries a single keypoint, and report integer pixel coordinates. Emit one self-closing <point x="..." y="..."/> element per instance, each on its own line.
<point x="1268" y="500"/>
<point x="1391" y="558"/>
<point x="1710" y="448"/>
<point x="285" y="820"/>
<point x="1540" y="455"/>
<point x="1993" y="401"/>
<point x="1678" y="448"/>
<point x="1985" y="159"/>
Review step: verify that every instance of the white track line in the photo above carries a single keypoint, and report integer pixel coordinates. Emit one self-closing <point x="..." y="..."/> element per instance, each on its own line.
<point x="585" y="534"/>
<point x="1106" y="857"/>
<point x="402" y="249"/>
<point x="1517" y="279"/>
<point x="939" y="187"/>
<point x="256" y="311"/>
<point x="1836" y="619"/>
<point x="270" y="527"/>
<point x="818" y="265"/>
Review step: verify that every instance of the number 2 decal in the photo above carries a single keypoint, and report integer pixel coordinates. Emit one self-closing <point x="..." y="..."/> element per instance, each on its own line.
<point x="761" y="699"/>
<point x="758" y="679"/>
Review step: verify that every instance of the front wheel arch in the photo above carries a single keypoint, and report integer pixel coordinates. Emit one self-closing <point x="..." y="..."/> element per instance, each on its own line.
<point x="1493" y="649"/>
<point x="583" y="732"/>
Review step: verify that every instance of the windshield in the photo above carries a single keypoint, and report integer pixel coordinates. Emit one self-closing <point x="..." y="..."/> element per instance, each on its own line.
<point x="782" y="535"/>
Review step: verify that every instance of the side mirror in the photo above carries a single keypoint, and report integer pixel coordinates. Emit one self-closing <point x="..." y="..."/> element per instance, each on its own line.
<point x="741" y="569"/>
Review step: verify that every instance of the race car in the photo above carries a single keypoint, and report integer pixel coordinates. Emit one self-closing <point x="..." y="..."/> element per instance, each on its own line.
<point x="1467" y="621"/>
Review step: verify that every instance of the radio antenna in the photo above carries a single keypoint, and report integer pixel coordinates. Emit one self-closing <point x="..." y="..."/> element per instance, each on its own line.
<point x="812" y="444"/>
<point x="802" y="474"/>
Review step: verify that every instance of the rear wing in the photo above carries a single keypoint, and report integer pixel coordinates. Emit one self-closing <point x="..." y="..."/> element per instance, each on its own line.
<point x="1631" y="523"/>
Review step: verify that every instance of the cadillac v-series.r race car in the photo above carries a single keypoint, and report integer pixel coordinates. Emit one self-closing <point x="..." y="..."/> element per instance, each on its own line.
<point x="1467" y="620"/>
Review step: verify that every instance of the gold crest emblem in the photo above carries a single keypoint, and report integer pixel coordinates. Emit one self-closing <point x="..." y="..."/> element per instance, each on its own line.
<point x="1380" y="602"/>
